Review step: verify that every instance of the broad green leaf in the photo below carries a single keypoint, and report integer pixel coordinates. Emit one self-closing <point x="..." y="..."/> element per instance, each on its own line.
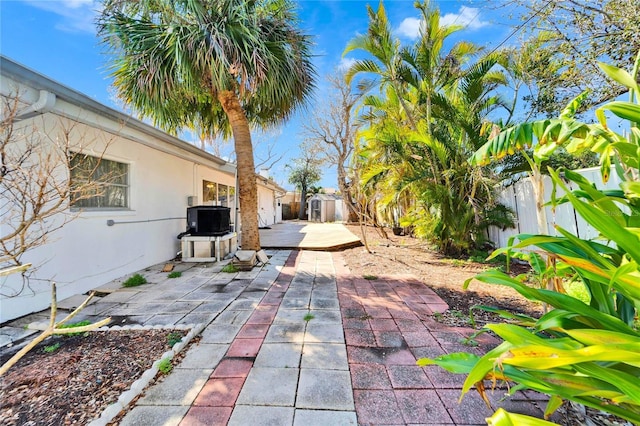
<point x="620" y="75"/>
<point x="611" y="229"/>
<point x="457" y="363"/>
<point x="517" y="336"/>
<point x="504" y="418"/>
<point x="539" y="356"/>
<point x="600" y="337"/>
<point x="552" y="405"/>
<point x="555" y="299"/>
<point x="627" y="110"/>
<point x="631" y="188"/>
<point x="627" y="383"/>
<point x="537" y="263"/>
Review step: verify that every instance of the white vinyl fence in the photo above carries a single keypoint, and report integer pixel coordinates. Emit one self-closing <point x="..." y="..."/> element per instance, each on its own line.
<point x="520" y="198"/>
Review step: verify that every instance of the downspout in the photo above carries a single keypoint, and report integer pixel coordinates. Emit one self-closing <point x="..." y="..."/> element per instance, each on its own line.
<point x="44" y="104"/>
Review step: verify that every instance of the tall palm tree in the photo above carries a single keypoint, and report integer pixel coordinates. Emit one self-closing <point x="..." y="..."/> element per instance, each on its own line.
<point x="213" y="65"/>
<point x="421" y="149"/>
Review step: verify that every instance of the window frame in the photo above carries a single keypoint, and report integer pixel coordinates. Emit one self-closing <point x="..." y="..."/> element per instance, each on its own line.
<point x="77" y="156"/>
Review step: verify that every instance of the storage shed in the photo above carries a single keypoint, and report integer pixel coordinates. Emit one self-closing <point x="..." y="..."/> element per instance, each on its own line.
<point x="325" y="208"/>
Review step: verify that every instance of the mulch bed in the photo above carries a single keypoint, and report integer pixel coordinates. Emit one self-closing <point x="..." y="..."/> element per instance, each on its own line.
<point x="74" y="383"/>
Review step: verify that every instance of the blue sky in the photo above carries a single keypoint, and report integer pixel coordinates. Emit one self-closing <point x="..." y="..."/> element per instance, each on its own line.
<point x="57" y="39"/>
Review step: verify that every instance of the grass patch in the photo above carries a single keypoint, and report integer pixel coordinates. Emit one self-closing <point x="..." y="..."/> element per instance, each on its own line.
<point x="370" y="277"/>
<point x="174" y="274"/>
<point x="165" y="366"/>
<point x="74" y="325"/>
<point x="134" y="281"/>
<point x="230" y="268"/>
<point x="51" y="348"/>
<point x="309" y="317"/>
<point x="173" y="338"/>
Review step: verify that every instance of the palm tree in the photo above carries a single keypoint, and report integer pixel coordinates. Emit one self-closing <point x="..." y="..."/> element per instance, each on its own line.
<point x="213" y="65"/>
<point x="423" y="125"/>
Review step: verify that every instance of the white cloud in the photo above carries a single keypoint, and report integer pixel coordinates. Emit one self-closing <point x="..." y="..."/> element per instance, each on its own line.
<point x="77" y="15"/>
<point x="410" y="27"/>
<point x="345" y="63"/>
<point x="467" y="16"/>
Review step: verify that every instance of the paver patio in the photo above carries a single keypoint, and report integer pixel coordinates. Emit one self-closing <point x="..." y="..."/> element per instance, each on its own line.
<point x="351" y="361"/>
<point x="301" y="341"/>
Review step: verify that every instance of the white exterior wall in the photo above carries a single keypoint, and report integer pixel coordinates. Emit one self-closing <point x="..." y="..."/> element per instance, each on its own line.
<point x="266" y="206"/>
<point x="87" y="253"/>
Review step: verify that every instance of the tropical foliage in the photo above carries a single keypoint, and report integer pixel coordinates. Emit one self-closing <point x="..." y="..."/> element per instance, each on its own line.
<point x="212" y="66"/>
<point x="587" y="352"/>
<point x="421" y="126"/>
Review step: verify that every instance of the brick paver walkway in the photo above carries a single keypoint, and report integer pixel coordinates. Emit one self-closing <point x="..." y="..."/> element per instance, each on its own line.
<point x="314" y="345"/>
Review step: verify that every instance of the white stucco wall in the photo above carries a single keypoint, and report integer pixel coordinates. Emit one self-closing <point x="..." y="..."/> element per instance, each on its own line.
<point x="266" y="206"/>
<point x="86" y="252"/>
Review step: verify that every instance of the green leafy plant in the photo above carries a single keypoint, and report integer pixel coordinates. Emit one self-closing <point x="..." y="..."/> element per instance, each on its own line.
<point x="165" y="366"/>
<point x="76" y="325"/>
<point x="173" y="338"/>
<point x="51" y="348"/>
<point x="134" y="281"/>
<point x="230" y="268"/>
<point x="308" y="317"/>
<point x="174" y="274"/>
<point x="586" y="351"/>
<point x="370" y="277"/>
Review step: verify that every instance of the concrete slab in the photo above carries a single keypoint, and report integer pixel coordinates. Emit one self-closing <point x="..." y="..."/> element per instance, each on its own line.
<point x="220" y="333"/>
<point x="8" y="335"/>
<point x="233" y="317"/>
<point x="164" y="319"/>
<point x="290" y="316"/>
<point x="285" y="333"/>
<point x="323" y="333"/>
<point x="204" y="356"/>
<point x="166" y="415"/>
<point x="326" y="316"/>
<point x="324" y="418"/>
<point x="325" y="390"/>
<point x="244" y="415"/>
<point x="195" y="318"/>
<point x="270" y="386"/>
<point x="71" y="303"/>
<point x="179" y="388"/>
<point x="279" y="355"/>
<point x="326" y="356"/>
<point x="308" y="236"/>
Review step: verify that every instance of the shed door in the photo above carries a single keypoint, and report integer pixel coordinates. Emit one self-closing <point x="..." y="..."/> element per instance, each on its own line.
<point x="316" y="211"/>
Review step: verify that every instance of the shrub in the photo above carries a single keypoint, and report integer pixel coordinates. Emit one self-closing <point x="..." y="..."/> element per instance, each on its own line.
<point x="173" y="338"/>
<point x="174" y="274"/>
<point x="585" y="349"/>
<point x="51" y="348"/>
<point x="74" y="325"/>
<point x="134" y="281"/>
<point x="165" y="366"/>
<point x="230" y="268"/>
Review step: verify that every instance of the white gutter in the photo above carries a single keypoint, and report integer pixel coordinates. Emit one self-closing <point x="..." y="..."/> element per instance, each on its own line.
<point x="44" y="104"/>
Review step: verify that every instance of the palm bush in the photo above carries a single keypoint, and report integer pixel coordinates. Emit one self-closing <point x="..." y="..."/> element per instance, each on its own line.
<point x="587" y="352"/>
<point x="422" y="125"/>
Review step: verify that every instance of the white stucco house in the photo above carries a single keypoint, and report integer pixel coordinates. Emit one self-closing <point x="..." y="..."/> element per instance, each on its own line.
<point x="134" y="224"/>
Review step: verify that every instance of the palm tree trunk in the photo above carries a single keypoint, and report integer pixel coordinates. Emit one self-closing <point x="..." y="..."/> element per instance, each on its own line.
<point x="303" y="202"/>
<point x="247" y="186"/>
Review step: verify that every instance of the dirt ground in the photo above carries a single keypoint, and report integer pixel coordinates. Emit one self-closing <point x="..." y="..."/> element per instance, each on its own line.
<point x="76" y="381"/>
<point x="408" y="255"/>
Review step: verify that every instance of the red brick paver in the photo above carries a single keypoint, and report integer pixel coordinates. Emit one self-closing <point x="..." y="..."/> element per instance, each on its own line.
<point x="388" y="325"/>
